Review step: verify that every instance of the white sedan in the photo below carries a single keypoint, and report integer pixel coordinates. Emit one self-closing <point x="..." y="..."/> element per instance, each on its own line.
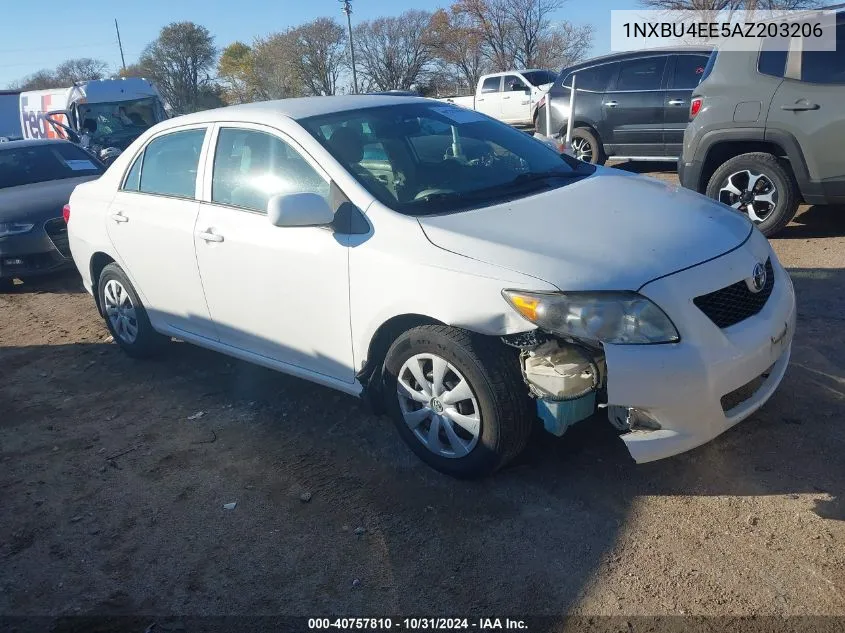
<point x="464" y="277"/>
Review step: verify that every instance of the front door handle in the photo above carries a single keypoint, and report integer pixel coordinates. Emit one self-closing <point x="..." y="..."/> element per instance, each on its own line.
<point x="611" y="104"/>
<point x="119" y="217"/>
<point x="800" y="106"/>
<point x="208" y="236"/>
<point x="676" y="102"/>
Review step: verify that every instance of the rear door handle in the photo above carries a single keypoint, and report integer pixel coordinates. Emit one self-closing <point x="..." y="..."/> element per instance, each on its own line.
<point x="800" y="106"/>
<point x="208" y="236"/>
<point x="611" y="104"/>
<point x="119" y="217"/>
<point x="676" y="102"/>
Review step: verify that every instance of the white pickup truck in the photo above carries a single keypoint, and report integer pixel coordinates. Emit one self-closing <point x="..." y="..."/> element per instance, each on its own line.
<point x="510" y="96"/>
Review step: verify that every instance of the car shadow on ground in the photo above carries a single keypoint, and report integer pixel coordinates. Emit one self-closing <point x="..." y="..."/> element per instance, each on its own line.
<point x="816" y="221"/>
<point x="645" y="166"/>
<point x="125" y="465"/>
<point x="66" y="281"/>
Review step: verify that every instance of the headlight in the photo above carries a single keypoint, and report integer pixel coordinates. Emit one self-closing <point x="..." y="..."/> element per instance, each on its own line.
<point x="13" y="228"/>
<point x="620" y="318"/>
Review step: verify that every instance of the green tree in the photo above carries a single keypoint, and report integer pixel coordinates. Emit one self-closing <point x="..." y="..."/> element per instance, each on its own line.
<point x="179" y="62"/>
<point x="236" y="73"/>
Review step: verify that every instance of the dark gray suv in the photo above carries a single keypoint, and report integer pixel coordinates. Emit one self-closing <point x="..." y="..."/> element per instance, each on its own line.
<point x="628" y="105"/>
<point x="767" y="130"/>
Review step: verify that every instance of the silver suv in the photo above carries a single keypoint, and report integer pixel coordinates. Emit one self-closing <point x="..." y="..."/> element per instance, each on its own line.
<point x="767" y="130"/>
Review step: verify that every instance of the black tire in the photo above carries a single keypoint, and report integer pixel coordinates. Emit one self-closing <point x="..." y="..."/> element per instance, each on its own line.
<point x="769" y="166"/>
<point x="147" y="343"/>
<point x="7" y="284"/>
<point x="586" y="135"/>
<point x="492" y="371"/>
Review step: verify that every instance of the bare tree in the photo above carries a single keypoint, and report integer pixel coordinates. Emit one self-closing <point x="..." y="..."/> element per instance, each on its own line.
<point x="394" y="52"/>
<point x="458" y="47"/>
<point x="562" y="45"/>
<point x="491" y="20"/>
<point x="82" y="69"/>
<point x="322" y="55"/>
<point x="39" y="80"/>
<point x="713" y="7"/>
<point x="179" y="61"/>
<point x="522" y="33"/>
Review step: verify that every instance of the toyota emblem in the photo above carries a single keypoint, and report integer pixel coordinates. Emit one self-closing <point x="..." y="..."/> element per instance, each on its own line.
<point x="758" y="278"/>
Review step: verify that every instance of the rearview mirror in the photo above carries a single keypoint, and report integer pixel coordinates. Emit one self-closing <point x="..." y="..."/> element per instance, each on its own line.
<point x="299" y="209"/>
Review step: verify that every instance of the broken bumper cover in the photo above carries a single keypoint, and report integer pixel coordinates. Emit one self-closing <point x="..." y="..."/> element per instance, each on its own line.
<point x="682" y="385"/>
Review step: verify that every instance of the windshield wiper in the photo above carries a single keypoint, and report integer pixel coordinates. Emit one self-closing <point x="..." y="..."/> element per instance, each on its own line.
<point x="543" y="175"/>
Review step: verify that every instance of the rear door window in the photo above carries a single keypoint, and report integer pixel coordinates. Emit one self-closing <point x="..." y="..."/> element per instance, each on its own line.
<point x="595" y="79"/>
<point x="170" y="162"/>
<point x="825" y="67"/>
<point x="641" y="74"/>
<point x="689" y="69"/>
<point x="772" y="59"/>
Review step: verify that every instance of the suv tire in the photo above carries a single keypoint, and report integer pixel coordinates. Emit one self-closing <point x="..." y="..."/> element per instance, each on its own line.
<point x="588" y="144"/>
<point x="125" y="315"/>
<point x="773" y="189"/>
<point x="483" y="425"/>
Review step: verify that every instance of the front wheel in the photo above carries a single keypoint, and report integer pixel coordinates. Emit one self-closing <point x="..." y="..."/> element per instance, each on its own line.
<point x="125" y="315"/>
<point x="759" y="186"/>
<point x="457" y="399"/>
<point x="586" y="146"/>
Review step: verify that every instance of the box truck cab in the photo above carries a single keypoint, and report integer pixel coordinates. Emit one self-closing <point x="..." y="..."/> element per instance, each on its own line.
<point x="104" y="116"/>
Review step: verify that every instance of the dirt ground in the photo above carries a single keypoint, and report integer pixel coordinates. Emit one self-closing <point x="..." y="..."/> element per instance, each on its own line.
<point x="115" y="472"/>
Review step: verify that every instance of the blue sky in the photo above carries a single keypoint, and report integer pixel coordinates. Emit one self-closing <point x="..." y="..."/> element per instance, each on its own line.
<point x="42" y="34"/>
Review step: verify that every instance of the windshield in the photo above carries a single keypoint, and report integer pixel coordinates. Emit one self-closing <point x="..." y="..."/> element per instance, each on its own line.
<point x="41" y="163"/>
<point x="428" y="158"/>
<point x="539" y="77"/>
<point x="111" y="121"/>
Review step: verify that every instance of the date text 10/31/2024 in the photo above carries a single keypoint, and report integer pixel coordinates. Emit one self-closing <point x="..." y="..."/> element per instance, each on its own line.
<point x="418" y="624"/>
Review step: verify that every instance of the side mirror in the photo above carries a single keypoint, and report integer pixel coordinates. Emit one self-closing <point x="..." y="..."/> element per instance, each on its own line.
<point x="299" y="209"/>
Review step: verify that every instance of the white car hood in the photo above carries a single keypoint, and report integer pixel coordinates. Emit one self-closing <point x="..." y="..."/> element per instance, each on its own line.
<point x="609" y="231"/>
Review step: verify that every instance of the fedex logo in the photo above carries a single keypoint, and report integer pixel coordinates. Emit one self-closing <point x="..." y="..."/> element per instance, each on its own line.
<point x="34" y="121"/>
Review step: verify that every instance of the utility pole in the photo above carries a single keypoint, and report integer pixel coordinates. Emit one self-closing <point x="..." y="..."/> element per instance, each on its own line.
<point x="119" y="45"/>
<point x="347" y="9"/>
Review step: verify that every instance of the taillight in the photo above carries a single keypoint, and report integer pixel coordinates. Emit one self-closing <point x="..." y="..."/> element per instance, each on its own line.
<point x="66" y="213"/>
<point x="695" y="107"/>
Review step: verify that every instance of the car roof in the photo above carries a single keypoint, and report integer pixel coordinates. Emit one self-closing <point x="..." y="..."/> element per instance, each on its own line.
<point x="33" y="142"/>
<point x="298" y="108"/>
<point x="642" y="52"/>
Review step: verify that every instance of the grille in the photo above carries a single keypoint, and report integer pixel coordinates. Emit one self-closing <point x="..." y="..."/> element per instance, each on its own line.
<point x="732" y="304"/>
<point x="746" y="392"/>
<point x="57" y="230"/>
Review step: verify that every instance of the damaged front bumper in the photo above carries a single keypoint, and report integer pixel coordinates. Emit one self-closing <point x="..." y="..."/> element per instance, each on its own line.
<point x="694" y="390"/>
<point x="671" y="397"/>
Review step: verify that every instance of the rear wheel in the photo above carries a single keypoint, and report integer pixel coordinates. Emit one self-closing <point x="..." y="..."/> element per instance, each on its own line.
<point x="125" y="315"/>
<point x="457" y="399"/>
<point x="759" y="186"/>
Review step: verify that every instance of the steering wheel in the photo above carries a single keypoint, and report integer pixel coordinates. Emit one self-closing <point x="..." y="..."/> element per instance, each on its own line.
<point x="428" y="192"/>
